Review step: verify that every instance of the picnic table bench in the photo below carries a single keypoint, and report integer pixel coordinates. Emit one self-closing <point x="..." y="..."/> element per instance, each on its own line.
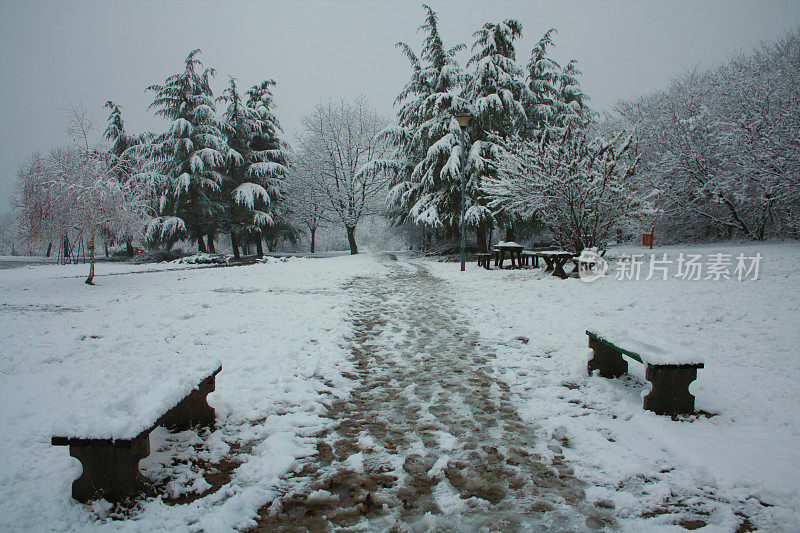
<point x="555" y="261"/>
<point x="530" y="257"/>
<point x="484" y="259"/>
<point x="669" y="371"/>
<point x="110" y="450"/>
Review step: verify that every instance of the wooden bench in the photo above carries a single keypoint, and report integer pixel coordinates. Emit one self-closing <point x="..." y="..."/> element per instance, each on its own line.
<point x="670" y="372"/>
<point x="530" y="258"/>
<point x="484" y="260"/>
<point x="111" y="462"/>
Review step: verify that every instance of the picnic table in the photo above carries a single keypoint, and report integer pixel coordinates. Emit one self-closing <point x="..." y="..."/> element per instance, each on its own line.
<point x="513" y="250"/>
<point x="555" y="261"/>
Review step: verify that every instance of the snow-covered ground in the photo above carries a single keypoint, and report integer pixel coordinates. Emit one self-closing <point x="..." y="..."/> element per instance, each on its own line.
<point x="744" y="459"/>
<point x="277" y="327"/>
<point x="284" y="332"/>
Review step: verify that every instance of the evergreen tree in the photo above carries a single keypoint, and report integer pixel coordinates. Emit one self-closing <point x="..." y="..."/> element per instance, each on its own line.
<point x="558" y="100"/>
<point x="268" y="160"/>
<point x="426" y="167"/>
<point x="543" y="81"/>
<point x="572" y="109"/>
<point x="125" y="162"/>
<point x="498" y="95"/>
<point x="115" y="131"/>
<point x="188" y="157"/>
<point x="256" y="165"/>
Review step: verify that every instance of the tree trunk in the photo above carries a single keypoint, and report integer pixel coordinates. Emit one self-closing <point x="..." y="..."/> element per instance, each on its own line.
<point x="313" y="240"/>
<point x="351" y="239"/>
<point x="259" y="248"/>
<point x="201" y="244"/>
<point x="480" y="233"/>
<point x="211" y="248"/>
<point x="105" y="244"/>
<point x="49" y="247"/>
<point x="509" y="233"/>
<point x="129" y="248"/>
<point x="235" y="246"/>
<point x="272" y="245"/>
<point x="90" y="246"/>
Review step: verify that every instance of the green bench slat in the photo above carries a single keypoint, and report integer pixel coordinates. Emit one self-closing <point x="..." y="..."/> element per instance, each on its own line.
<point x="632" y="355"/>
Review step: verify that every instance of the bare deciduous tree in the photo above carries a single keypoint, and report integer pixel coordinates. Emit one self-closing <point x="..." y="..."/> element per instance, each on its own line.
<point x="77" y="187"/>
<point x="336" y="142"/>
<point x="721" y="148"/>
<point x="579" y="187"/>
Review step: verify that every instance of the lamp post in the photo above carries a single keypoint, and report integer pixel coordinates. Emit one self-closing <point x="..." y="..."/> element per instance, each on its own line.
<point x="463" y="121"/>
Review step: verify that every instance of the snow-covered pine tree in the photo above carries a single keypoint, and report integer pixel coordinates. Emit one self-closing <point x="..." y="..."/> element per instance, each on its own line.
<point x="571" y="110"/>
<point x="425" y="164"/>
<point x="125" y="162"/>
<point x="256" y="165"/>
<point x="268" y="163"/>
<point x="498" y="95"/>
<point x="188" y="157"/>
<point x="543" y="81"/>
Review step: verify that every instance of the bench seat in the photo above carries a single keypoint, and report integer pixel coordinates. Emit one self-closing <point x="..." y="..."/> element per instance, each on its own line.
<point x="484" y="259"/>
<point x="110" y="447"/>
<point x="670" y="371"/>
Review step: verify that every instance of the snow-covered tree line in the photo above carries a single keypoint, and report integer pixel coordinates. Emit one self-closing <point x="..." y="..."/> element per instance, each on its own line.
<point x="221" y="166"/>
<point x="506" y="101"/>
<point x="720" y="148"/>
<point x="211" y="171"/>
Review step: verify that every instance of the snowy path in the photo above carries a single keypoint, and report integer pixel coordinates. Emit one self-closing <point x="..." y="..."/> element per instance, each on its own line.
<point x="428" y="438"/>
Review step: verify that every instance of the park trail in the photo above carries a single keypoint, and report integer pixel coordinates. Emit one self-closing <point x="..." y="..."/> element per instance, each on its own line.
<point x="428" y="440"/>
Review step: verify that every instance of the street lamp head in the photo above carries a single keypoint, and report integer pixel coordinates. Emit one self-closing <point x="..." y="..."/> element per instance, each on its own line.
<point x="463" y="119"/>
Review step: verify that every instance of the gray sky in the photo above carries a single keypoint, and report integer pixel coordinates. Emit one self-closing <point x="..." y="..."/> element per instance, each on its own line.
<point x="91" y="52"/>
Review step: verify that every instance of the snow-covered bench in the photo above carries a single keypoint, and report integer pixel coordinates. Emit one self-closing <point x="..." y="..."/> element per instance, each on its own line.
<point x="484" y="259"/>
<point x="670" y="371"/>
<point x="109" y="442"/>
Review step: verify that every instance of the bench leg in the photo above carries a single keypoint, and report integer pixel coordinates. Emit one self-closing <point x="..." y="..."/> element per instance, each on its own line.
<point x="192" y="410"/>
<point x="110" y="469"/>
<point x="607" y="360"/>
<point x="670" y="394"/>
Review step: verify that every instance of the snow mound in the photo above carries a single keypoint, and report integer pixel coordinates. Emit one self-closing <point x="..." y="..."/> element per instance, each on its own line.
<point x="203" y="259"/>
<point x="133" y="400"/>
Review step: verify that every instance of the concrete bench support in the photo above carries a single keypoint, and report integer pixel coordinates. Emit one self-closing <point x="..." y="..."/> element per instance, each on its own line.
<point x="606" y="360"/>
<point x="192" y="410"/>
<point x="670" y="394"/>
<point x="110" y="468"/>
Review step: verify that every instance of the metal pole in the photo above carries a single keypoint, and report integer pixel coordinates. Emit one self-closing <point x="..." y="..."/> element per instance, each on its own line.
<point x="463" y="199"/>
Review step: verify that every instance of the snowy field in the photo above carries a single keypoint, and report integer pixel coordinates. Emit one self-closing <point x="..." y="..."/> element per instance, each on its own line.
<point x="282" y="330"/>
<point x="744" y="459"/>
<point x="277" y="327"/>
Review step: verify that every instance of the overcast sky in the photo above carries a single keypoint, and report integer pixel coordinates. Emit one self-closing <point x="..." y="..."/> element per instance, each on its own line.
<point x="90" y="52"/>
